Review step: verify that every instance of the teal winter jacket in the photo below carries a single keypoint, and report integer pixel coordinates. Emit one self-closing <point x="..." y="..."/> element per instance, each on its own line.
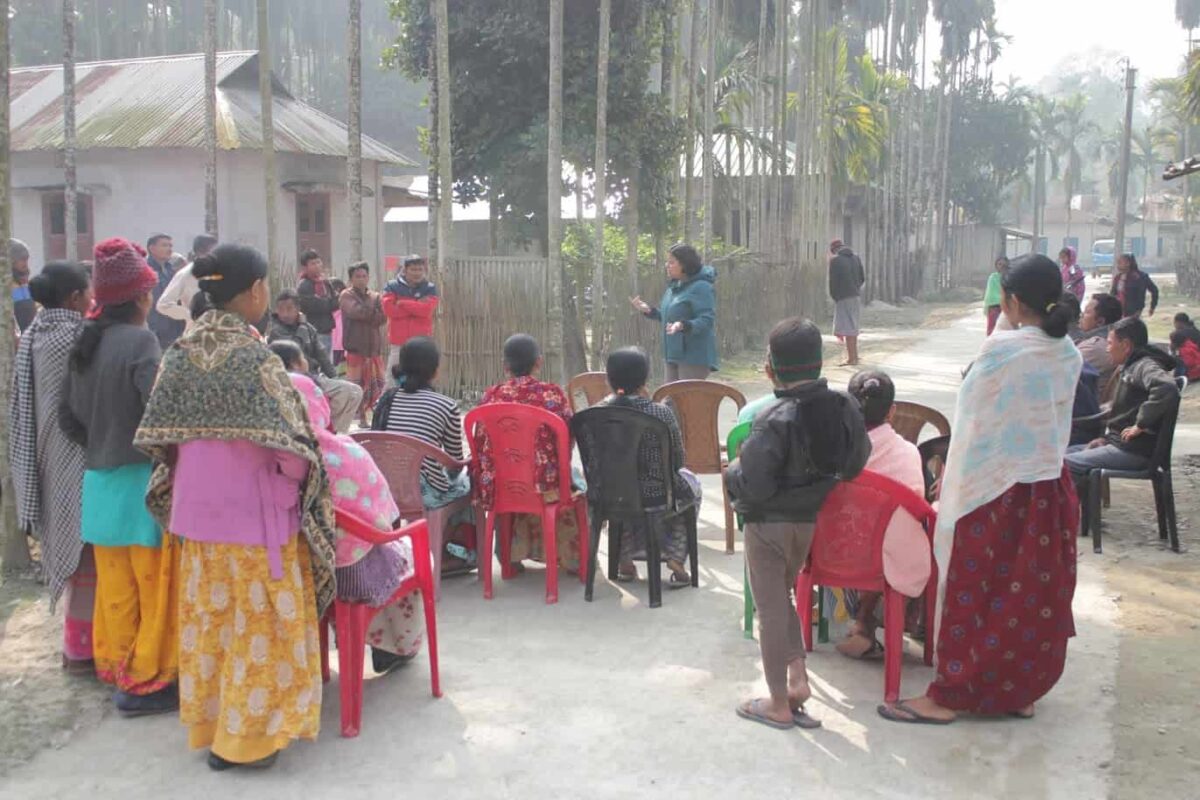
<point x="694" y="303"/>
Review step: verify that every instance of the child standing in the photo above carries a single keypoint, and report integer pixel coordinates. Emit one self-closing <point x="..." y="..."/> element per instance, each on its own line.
<point x="111" y="371"/>
<point x="239" y="478"/>
<point x="991" y="297"/>
<point x="796" y="453"/>
<point x="409" y="302"/>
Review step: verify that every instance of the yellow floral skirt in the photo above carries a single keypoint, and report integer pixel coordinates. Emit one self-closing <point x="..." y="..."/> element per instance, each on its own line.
<point x="249" y="663"/>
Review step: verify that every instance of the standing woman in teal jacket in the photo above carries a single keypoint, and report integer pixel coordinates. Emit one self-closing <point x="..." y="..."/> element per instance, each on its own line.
<point x="688" y="313"/>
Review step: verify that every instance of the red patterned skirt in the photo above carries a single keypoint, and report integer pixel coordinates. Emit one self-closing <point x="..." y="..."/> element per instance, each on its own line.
<point x="1006" y="617"/>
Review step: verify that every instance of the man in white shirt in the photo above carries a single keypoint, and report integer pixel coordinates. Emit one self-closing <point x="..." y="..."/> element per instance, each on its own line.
<point x="176" y="299"/>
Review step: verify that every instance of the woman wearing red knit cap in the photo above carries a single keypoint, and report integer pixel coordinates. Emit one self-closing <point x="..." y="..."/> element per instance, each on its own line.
<point x="111" y="371"/>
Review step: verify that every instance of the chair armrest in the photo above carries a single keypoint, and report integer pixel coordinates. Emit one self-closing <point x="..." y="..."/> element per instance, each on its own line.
<point x="359" y="528"/>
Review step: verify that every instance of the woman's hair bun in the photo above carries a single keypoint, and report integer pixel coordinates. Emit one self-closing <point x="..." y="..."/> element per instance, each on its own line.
<point x="204" y="266"/>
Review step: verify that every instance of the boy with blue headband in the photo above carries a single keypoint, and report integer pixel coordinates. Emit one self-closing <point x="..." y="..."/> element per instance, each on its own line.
<point x="800" y="447"/>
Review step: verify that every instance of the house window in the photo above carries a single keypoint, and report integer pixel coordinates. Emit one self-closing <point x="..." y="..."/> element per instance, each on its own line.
<point x="1137" y="246"/>
<point x="54" y="226"/>
<point x="1161" y="247"/>
<point x="1071" y="241"/>
<point x="1043" y="245"/>
<point x="735" y="228"/>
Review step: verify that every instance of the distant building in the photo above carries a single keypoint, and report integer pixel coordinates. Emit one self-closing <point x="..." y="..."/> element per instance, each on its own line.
<point x="140" y="126"/>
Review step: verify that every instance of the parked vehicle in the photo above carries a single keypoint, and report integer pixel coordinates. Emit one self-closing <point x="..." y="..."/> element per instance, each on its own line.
<point x="1102" y="254"/>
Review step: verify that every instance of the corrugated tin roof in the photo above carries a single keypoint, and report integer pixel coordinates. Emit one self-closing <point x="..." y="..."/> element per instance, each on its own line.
<point x="159" y="102"/>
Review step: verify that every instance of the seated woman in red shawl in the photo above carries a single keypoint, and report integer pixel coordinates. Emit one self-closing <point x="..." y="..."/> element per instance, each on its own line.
<point x="523" y="362"/>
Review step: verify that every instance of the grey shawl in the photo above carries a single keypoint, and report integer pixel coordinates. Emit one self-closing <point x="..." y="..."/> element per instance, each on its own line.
<point x="47" y="467"/>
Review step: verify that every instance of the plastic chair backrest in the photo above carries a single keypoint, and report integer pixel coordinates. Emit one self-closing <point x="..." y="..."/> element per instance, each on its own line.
<point x="847" y="547"/>
<point x="696" y="404"/>
<point x="399" y="457"/>
<point x="512" y="429"/>
<point x="733" y="442"/>
<point x="1166" y="436"/>
<point x="592" y="385"/>
<point x="911" y="418"/>
<point x="611" y="440"/>
<point x="930" y="449"/>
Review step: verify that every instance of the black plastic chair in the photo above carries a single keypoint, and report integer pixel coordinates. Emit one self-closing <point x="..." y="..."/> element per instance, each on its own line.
<point x="933" y="449"/>
<point x="612" y="441"/>
<point x="1158" y="472"/>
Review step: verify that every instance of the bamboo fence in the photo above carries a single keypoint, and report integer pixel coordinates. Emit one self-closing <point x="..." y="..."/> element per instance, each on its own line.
<point x="484" y="301"/>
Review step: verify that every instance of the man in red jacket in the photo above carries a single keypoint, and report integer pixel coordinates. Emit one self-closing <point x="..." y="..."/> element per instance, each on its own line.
<point x="409" y="301"/>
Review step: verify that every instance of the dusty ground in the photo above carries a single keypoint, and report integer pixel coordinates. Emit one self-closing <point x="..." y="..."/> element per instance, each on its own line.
<point x="613" y="700"/>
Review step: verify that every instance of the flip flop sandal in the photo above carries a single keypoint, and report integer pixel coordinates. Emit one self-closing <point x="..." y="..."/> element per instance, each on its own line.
<point x="872" y="653"/>
<point x="677" y="581"/>
<point x="913" y="718"/>
<point x="801" y="719"/>
<point x="748" y="713"/>
<point x="1022" y="715"/>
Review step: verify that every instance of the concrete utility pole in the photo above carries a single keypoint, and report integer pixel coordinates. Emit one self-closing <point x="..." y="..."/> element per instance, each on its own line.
<point x="1119" y="235"/>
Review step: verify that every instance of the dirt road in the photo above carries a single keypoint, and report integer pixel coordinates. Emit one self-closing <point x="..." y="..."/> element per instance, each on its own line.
<point x="614" y="700"/>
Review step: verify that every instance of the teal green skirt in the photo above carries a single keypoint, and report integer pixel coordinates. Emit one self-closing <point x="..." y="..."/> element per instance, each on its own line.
<point x="114" y="507"/>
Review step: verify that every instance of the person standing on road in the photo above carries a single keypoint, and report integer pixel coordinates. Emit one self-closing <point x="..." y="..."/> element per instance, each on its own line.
<point x="991" y="297"/>
<point x="797" y="451"/>
<point x="846" y="279"/>
<point x="1131" y="285"/>
<point x="1008" y="516"/>
<point x="111" y="372"/>
<point x="410" y="302"/>
<point x="688" y="313"/>
<point x="1073" y="276"/>
<point x="362" y="336"/>
<point x="175" y="301"/>
<point x="47" y="467"/>
<point x="318" y="297"/>
<point x="160" y="255"/>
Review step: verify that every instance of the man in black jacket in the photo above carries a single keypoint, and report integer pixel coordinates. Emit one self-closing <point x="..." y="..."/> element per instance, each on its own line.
<point x="798" y="450"/>
<point x="1146" y="394"/>
<point x="318" y="297"/>
<point x="846" y="279"/>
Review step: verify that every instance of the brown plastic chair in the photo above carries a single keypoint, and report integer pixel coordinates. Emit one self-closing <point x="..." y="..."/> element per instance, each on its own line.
<point x="911" y="419"/>
<point x="696" y="404"/>
<point x="399" y="457"/>
<point x="592" y="385"/>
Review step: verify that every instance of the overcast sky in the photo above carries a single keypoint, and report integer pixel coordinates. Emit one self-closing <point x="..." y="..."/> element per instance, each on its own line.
<point x="1045" y="31"/>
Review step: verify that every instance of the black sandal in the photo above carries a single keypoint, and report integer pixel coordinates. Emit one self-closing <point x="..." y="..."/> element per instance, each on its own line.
<point x="679" y="580"/>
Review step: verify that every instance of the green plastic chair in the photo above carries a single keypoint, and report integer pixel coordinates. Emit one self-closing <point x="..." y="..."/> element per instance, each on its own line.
<point x="733" y="444"/>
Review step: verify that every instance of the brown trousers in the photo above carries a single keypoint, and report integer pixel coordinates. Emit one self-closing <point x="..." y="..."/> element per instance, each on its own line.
<point x="775" y="552"/>
<point x="686" y="372"/>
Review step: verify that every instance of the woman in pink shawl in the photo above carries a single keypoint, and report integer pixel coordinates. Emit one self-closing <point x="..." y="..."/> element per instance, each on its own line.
<point x="1073" y="277"/>
<point x="366" y="573"/>
<point x="905" y="544"/>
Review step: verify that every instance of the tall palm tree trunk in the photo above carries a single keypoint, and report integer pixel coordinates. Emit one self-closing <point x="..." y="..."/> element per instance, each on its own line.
<point x="14" y="548"/>
<point x="210" y="117"/>
<point x="271" y="183"/>
<point x="710" y="68"/>
<point x="445" y="168"/>
<point x="354" y="127"/>
<point x="754" y="218"/>
<point x="70" y="203"/>
<point x="599" y="326"/>
<point x="554" y="278"/>
<point x="689" y="189"/>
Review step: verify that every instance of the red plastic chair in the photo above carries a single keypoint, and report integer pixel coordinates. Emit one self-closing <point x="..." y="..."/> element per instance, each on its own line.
<point x="847" y="552"/>
<point x="399" y="457"/>
<point x="352" y="619"/>
<point x="512" y="429"/>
